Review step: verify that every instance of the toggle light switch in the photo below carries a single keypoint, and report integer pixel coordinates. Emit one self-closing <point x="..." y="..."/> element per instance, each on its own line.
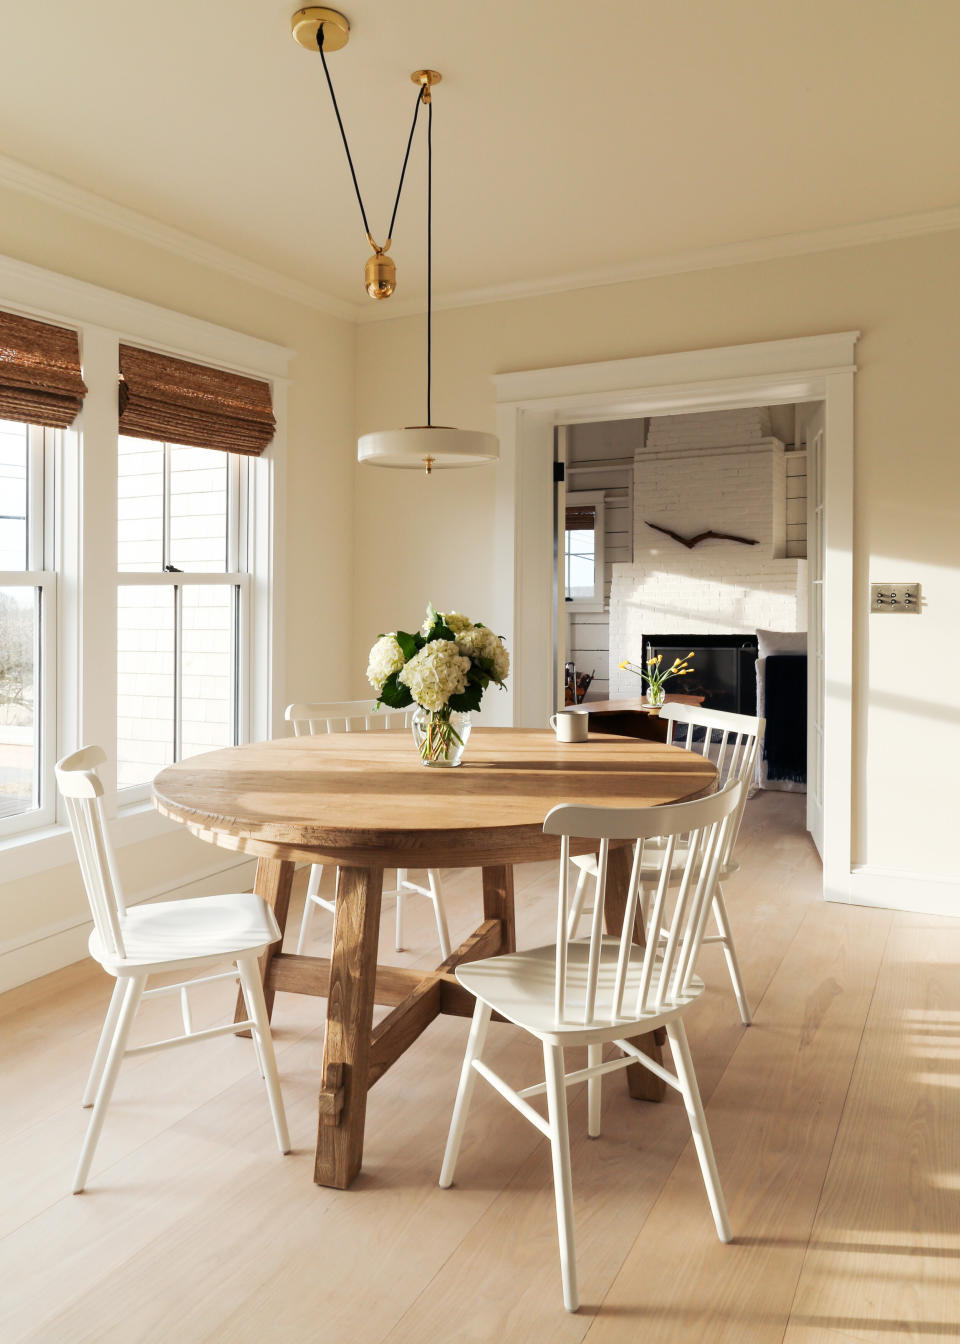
<point x="904" y="597"/>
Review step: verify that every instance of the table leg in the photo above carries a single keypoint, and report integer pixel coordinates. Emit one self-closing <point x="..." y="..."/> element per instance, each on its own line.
<point x="642" y="1084"/>
<point x="273" y="882"/>
<point x="346" y="1037"/>
<point x="498" y="902"/>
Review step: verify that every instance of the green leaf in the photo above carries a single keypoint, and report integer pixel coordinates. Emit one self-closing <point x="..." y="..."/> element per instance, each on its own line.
<point x="408" y="644"/>
<point x="467" y="701"/>
<point x="394" y="694"/>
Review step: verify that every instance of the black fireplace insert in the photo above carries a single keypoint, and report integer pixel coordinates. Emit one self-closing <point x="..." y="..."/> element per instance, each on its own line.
<point x="723" y="668"/>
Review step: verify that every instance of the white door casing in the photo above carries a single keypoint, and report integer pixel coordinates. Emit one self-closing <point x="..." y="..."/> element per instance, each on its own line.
<point x="529" y="407"/>
<point x="816" y="551"/>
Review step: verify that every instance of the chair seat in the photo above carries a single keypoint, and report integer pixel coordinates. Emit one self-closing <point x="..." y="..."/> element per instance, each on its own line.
<point x="520" y="986"/>
<point x="172" y="933"/>
<point x="650" y="873"/>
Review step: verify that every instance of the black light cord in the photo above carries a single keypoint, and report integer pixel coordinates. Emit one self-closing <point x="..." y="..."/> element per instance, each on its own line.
<point x="343" y="137"/>
<point x="429" y="256"/>
<point x="343" y="134"/>
<point x="403" y="170"/>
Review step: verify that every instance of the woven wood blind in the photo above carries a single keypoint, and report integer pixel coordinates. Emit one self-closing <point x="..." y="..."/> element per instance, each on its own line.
<point x="40" y="378"/>
<point x="177" y="401"/>
<point x="582" y="518"/>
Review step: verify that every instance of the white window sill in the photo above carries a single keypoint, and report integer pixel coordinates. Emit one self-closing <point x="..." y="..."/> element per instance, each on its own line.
<point x="583" y="604"/>
<point x="47" y="847"/>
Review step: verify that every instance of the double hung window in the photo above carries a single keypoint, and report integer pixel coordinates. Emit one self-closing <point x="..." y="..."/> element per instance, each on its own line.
<point x="28" y="625"/>
<point x="183" y="561"/>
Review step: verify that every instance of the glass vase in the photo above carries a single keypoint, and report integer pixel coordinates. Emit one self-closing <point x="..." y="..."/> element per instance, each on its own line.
<point x="655" y="696"/>
<point x="441" y="736"/>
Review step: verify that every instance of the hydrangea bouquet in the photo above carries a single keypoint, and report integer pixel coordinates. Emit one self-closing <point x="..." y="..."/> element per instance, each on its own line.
<point x="444" y="669"/>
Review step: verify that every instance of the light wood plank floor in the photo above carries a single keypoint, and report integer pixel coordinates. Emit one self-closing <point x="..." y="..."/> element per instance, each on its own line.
<point x="836" y="1121"/>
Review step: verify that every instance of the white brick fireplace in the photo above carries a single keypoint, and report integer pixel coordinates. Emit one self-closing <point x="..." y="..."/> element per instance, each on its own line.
<point x="720" y="472"/>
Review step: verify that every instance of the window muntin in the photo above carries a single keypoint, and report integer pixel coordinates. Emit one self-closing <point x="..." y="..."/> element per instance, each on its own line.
<point x="182" y="604"/>
<point x="28" y="625"/>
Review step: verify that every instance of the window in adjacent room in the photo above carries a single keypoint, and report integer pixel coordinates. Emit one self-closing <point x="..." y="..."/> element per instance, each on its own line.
<point x="583" y="563"/>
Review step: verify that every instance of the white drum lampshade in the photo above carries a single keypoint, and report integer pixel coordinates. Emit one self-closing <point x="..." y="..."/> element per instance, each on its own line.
<point x="428" y="447"/>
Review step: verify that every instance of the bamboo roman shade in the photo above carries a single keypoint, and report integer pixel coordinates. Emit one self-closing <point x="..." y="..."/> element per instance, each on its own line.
<point x="40" y="378"/>
<point x="581" y="518"/>
<point x="177" y="401"/>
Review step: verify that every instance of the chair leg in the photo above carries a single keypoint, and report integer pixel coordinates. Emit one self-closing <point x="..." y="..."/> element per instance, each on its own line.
<point x="468" y="1080"/>
<point x="103" y="1045"/>
<point x="185" y="1012"/>
<point x="730" y="952"/>
<point x="257" y="1008"/>
<point x="576" y="910"/>
<point x="309" y="904"/>
<point x="562" y="1176"/>
<point x="698" y="1126"/>
<point x="594" y="1092"/>
<point x="401" y="903"/>
<point x="436" y="896"/>
<point x="132" y="992"/>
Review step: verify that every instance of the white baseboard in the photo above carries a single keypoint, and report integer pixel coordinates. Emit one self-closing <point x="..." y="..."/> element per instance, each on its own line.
<point x="896" y="889"/>
<point x="57" y="945"/>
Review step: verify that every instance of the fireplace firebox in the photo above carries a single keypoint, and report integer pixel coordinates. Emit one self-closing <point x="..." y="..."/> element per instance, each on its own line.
<point x="724" y="668"/>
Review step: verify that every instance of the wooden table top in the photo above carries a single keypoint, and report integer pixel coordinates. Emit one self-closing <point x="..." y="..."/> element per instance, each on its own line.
<point x="364" y="799"/>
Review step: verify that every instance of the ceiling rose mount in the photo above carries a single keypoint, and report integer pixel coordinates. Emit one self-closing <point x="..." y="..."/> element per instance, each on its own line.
<point x="307" y="23"/>
<point x="427" y="446"/>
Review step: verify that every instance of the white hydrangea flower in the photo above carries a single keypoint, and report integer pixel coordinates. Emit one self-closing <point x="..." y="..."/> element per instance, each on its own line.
<point x="487" y="649"/>
<point x="454" y="620"/>
<point x="438" y="671"/>
<point x="386" y="657"/>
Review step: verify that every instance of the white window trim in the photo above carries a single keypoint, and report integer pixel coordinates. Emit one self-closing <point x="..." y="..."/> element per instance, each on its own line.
<point x="597" y="602"/>
<point x="86" y="625"/>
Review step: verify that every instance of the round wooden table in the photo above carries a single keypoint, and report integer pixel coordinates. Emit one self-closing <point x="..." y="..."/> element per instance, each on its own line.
<point x="364" y="802"/>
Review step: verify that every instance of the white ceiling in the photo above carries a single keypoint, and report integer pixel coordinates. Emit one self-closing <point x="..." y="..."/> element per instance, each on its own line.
<point x="567" y="136"/>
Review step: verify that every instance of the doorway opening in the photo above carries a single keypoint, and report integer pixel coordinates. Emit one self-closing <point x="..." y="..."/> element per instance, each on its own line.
<point x="532" y="404"/>
<point x="689" y="545"/>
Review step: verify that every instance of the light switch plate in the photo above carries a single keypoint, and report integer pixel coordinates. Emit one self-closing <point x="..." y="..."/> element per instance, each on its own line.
<point x="903" y="597"/>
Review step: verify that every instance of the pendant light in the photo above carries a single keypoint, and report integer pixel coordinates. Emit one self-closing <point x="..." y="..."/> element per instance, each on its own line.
<point x="426" y="447"/>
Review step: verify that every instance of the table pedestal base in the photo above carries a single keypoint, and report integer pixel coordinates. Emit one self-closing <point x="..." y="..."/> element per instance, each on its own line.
<point x="356" y="1054"/>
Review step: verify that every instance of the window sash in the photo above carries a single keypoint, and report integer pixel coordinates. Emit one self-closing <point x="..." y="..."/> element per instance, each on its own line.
<point x="242" y="584"/>
<point x="44" y="582"/>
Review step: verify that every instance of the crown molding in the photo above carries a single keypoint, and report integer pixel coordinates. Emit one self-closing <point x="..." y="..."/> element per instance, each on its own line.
<point x="702" y="259"/>
<point x="99" y="210"/>
<point x="78" y="201"/>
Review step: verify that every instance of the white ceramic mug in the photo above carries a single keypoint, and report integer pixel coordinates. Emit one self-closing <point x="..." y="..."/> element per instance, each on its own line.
<point x="570" y="726"/>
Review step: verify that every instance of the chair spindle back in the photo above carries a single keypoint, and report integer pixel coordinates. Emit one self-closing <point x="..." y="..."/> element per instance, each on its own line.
<point x="740" y="740"/>
<point x="345" y="716"/>
<point x="82" y="791"/>
<point x="678" y="914"/>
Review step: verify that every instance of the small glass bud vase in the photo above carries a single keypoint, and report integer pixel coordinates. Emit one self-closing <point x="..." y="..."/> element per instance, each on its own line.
<point x="441" y="736"/>
<point x="655" y="696"/>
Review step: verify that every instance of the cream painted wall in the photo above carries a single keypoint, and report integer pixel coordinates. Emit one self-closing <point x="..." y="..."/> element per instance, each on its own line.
<point x="318" y="540"/>
<point x="418" y="538"/>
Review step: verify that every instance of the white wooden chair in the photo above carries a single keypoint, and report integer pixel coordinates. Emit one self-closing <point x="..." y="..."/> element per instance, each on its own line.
<point x="154" y="938"/>
<point x="740" y="740"/>
<point x="605" y="989"/>
<point x="358" y="716"/>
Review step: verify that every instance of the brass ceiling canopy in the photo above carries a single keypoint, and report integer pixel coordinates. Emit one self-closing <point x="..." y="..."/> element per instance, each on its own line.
<point x="306" y="24"/>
